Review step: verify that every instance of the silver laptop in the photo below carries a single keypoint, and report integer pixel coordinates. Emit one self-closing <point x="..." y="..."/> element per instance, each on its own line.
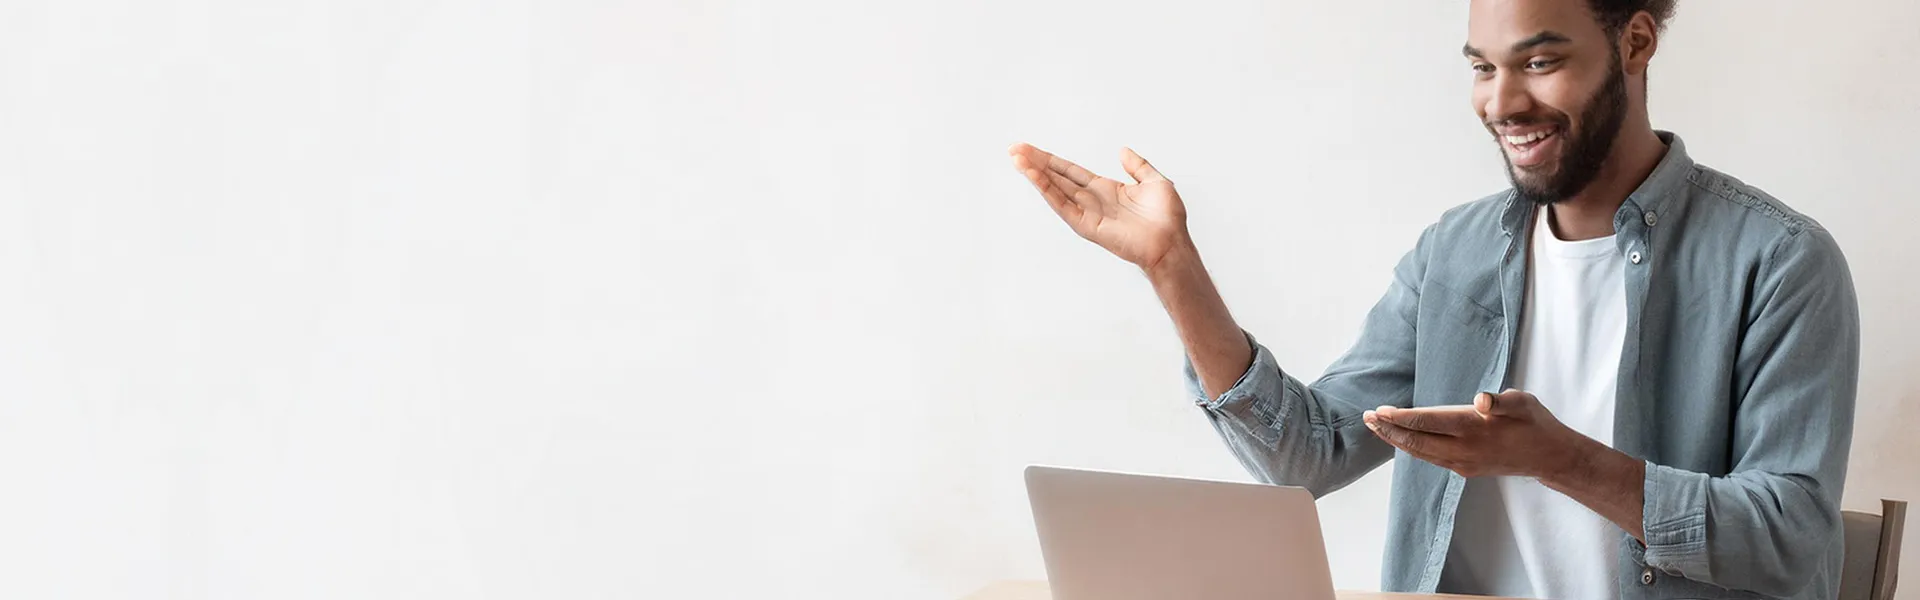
<point x="1115" y="536"/>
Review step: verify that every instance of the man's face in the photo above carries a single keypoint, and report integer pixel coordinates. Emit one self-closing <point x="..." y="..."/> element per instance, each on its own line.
<point x="1549" y="86"/>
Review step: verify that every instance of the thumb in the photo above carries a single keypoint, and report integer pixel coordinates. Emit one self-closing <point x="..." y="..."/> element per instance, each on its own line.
<point x="1139" y="168"/>
<point x="1511" y="403"/>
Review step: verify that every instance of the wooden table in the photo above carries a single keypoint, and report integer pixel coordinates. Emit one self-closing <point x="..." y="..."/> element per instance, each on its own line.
<point x="1037" y="590"/>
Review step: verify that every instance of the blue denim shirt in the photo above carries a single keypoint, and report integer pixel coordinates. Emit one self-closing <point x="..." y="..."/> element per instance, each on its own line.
<point x="1736" y="386"/>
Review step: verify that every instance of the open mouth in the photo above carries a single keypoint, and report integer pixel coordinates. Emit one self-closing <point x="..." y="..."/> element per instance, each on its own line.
<point x="1529" y="148"/>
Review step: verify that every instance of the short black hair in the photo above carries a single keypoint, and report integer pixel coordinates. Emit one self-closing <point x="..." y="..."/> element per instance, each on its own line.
<point x="1614" y="14"/>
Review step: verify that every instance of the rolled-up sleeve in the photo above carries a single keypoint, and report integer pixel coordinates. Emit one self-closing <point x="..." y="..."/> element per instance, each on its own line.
<point x="1773" y="522"/>
<point x="1288" y="433"/>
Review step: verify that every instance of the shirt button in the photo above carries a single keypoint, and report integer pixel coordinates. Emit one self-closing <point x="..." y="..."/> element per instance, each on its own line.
<point x="1646" y="576"/>
<point x="1633" y="257"/>
<point x="1651" y="219"/>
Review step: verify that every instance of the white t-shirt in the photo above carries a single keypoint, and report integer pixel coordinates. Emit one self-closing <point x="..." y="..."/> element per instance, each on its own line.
<point x="1513" y="536"/>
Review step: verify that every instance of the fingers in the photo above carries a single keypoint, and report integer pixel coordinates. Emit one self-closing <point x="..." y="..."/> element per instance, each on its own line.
<point x="1081" y="198"/>
<point x="1138" y="168"/>
<point x="1048" y="183"/>
<point x="1443" y="420"/>
<point x="1030" y="161"/>
<point x="1431" y="447"/>
<point x="1080" y="176"/>
<point x="1060" y="200"/>
<point x="1417" y="443"/>
<point x="1399" y="437"/>
<point x="1049" y="162"/>
<point x="1066" y="186"/>
<point x="1050" y="168"/>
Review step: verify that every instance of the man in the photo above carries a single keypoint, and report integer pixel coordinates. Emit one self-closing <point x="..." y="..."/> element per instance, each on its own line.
<point x="1678" y="350"/>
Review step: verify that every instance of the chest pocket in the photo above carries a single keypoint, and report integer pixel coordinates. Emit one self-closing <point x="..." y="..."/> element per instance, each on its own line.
<point x="1456" y="342"/>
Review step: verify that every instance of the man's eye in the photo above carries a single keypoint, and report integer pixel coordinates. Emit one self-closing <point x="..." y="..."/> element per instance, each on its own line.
<point x="1541" y="64"/>
<point x="1482" y="68"/>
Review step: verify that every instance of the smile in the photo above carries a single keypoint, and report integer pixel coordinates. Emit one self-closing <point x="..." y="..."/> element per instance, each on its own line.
<point x="1528" y="148"/>
<point x="1523" y="141"/>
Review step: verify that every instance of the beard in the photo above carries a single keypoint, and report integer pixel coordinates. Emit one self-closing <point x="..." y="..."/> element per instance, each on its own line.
<point x="1586" y="148"/>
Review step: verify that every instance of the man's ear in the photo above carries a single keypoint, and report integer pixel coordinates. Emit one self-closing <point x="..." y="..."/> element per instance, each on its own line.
<point x="1638" y="40"/>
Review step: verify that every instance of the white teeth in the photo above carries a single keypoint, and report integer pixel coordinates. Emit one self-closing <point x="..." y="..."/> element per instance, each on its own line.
<point x="1519" y="140"/>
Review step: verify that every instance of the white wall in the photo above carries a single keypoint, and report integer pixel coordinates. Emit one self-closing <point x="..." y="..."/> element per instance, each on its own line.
<point x="514" y="299"/>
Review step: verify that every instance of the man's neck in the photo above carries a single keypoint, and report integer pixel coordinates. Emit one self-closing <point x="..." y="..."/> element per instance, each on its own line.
<point x="1590" y="213"/>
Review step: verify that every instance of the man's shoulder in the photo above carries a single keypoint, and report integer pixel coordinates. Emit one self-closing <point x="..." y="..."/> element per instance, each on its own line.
<point x="1718" y="196"/>
<point x="1723" y="207"/>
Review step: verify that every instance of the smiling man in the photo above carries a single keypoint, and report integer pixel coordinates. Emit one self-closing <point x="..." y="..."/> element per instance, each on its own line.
<point x="1629" y="376"/>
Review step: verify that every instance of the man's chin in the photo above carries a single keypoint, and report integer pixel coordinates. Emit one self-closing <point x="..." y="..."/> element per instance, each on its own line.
<point x="1536" y="173"/>
<point x="1528" y="182"/>
<point x="1534" y="189"/>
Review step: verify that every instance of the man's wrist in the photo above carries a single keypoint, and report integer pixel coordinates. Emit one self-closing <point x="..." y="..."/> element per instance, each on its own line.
<point x="1587" y="462"/>
<point x="1180" y="262"/>
<point x="1608" y="481"/>
<point x="1578" y="460"/>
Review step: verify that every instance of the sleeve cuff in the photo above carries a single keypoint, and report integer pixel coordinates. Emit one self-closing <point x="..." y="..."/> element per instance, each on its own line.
<point x="1262" y="379"/>
<point x="1674" y="520"/>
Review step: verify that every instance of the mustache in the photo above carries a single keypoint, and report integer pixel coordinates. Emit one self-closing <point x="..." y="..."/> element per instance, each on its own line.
<point x="1524" y="120"/>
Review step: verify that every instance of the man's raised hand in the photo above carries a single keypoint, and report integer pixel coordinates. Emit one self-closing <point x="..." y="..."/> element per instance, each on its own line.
<point x="1140" y="222"/>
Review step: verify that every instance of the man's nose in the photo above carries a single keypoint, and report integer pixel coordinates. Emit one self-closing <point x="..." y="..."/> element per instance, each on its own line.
<point x="1509" y="99"/>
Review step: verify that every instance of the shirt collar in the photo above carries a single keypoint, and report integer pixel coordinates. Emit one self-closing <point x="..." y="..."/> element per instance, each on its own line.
<point x="1667" y="181"/>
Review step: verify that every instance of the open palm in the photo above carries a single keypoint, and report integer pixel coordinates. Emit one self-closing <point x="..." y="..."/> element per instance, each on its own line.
<point x="1138" y="222"/>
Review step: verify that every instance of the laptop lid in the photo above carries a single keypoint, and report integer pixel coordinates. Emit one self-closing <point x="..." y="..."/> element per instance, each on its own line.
<point x="1118" y="536"/>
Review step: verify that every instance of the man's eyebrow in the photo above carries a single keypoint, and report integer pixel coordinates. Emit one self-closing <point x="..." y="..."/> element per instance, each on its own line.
<point x="1539" y="39"/>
